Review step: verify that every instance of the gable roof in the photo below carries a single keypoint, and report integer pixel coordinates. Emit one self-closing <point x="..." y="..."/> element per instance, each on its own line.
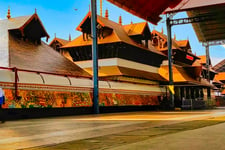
<point x="163" y="36"/>
<point x="220" y="67"/>
<point x="61" y="41"/>
<point x="176" y="45"/>
<point x="203" y="59"/>
<point x="21" y="22"/>
<point x="135" y="28"/>
<point x="118" y="35"/>
<point x="183" y="43"/>
<point x="220" y="76"/>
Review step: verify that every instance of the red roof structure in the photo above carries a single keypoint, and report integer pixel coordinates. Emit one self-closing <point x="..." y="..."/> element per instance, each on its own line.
<point x="212" y="29"/>
<point x="146" y="9"/>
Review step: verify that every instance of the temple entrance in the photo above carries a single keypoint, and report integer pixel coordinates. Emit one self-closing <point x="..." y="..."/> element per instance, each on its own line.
<point x="189" y="97"/>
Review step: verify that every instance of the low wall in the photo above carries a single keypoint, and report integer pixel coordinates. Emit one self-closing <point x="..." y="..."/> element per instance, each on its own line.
<point x="27" y="113"/>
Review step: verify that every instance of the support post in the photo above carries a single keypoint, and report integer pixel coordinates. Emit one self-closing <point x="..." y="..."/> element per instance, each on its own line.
<point x="208" y="70"/>
<point x="170" y="63"/>
<point x="95" y="56"/>
<point x="207" y="61"/>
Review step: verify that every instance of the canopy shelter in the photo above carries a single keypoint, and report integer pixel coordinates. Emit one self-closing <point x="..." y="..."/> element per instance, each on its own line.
<point x="208" y="20"/>
<point x="206" y="16"/>
<point x="148" y="10"/>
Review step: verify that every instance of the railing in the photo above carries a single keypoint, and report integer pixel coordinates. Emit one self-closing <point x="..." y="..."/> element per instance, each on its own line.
<point x="15" y="70"/>
<point x="193" y="103"/>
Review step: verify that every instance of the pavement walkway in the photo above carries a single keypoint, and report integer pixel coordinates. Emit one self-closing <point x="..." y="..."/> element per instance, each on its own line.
<point x="207" y="138"/>
<point x="45" y="132"/>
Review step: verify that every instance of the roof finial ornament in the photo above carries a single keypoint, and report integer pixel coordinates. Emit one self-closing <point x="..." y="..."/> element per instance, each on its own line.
<point x="162" y="30"/>
<point x="120" y="20"/>
<point x="89" y="8"/>
<point x="106" y="14"/>
<point x="101" y="7"/>
<point x="174" y="36"/>
<point x="131" y="22"/>
<point x="55" y="35"/>
<point x="70" y="37"/>
<point x="35" y="11"/>
<point x="8" y="15"/>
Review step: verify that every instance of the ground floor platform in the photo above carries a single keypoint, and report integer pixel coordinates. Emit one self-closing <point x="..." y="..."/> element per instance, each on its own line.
<point x="134" y="130"/>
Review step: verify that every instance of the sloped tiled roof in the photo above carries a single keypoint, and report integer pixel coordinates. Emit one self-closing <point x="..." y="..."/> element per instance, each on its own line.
<point x="181" y="76"/>
<point x="197" y="63"/>
<point x="163" y="36"/>
<point x="21" y="22"/>
<point x="118" y="71"/>
<point x="24" y="54"/>
<point x="41" y="57"/>
<point x="61" y="41"/>
<point x="17" y="22"/>
<point x="135" y="28"/>
<point x="203" y="59"/>
<point x="182" y="43"/>
<point x="223" y="92"/>
<point x="220" y="76"/>
<point x="118" y="35"/>
<point x="220" y="67"/>
<point x="215" y="81"/>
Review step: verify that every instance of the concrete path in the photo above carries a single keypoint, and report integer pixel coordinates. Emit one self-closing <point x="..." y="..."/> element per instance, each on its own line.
<point x="36" y="132"/>
<point x="207" y="138"/>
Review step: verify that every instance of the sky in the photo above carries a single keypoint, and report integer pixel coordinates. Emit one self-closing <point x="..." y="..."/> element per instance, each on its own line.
<point x="62" y="17"/>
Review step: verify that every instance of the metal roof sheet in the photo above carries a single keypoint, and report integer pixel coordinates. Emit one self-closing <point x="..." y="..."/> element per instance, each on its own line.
<point x="193" y="4"/>
<point x="146" y="9"/>
<point x="212" y="28"/>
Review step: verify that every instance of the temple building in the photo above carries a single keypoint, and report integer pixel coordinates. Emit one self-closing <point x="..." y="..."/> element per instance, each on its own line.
<point x="220" y="68"/>
<point x="124" y="51"/>
<point x="21" y="47"/>
<point x="132" y="53"/>
<point x="204" y="69"/>
<point x="190" y="84"/>
<point x="56" y="43"/>
<point x="34" y="75"/>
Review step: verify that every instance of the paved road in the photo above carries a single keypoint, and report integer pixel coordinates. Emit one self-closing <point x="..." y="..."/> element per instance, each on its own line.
<point x="36" y="132"/>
